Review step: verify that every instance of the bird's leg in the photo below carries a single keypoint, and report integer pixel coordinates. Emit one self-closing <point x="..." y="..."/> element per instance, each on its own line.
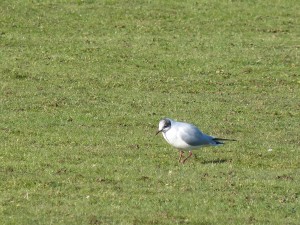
<point x="181" y="153"/>
<point x="190" y="154"/>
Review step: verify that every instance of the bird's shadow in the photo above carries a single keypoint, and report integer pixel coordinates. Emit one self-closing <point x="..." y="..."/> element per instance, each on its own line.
<point x="215" y="161"/>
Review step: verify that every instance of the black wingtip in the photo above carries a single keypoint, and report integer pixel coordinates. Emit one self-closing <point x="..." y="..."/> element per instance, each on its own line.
<point x="219" y="142"/>
<point x="223" y="139"/>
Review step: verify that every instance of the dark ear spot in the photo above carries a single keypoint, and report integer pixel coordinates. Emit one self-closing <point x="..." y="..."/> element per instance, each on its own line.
<point x="167" y="123"/>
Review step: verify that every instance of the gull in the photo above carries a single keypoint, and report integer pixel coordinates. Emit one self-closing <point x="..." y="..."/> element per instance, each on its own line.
<point x="186" y="136"/>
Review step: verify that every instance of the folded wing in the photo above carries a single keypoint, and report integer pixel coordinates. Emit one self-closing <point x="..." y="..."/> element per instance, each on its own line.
<point x="194" y="137"/>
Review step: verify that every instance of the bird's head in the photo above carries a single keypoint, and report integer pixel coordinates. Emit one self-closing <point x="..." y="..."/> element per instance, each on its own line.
<point x="164" y="125"/>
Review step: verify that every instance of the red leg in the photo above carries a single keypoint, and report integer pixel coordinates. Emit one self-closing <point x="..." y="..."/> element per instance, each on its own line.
<point x="190" y="154"/>
<point x="181" y="154"/>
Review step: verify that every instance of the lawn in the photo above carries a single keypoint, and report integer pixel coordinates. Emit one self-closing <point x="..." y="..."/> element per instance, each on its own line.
<point x="84" y="84"/>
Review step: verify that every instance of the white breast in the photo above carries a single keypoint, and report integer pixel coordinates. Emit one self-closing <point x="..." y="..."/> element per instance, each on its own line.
<point x="173" y="139"/>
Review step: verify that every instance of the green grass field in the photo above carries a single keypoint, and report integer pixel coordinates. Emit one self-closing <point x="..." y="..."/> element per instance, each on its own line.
<point x="84" y="84"/>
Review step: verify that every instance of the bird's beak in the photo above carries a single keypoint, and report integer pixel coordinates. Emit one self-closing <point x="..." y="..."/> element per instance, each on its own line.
<point x="158" y="132"/>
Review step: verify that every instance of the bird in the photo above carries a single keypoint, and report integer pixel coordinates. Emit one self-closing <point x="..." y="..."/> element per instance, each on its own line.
<point x="186" y="137"/>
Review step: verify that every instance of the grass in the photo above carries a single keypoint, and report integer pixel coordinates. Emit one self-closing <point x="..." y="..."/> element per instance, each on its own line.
<point x="84" y="84"/>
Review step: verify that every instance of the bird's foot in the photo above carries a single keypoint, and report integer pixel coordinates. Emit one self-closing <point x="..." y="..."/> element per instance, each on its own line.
<point x="190" y="154"/>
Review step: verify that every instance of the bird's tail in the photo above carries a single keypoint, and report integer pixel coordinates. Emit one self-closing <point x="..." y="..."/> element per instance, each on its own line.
<point x="219" y="141"/>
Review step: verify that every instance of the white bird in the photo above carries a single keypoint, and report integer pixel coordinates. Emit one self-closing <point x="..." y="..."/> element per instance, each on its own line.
<point x="185" y="136"/>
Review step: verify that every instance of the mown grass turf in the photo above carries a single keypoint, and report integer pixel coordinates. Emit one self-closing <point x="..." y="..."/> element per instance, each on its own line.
<point x="84" y="84"/>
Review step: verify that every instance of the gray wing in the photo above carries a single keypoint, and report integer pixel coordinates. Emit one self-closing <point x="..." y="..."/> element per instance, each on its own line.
<point x="193" y="136"/>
